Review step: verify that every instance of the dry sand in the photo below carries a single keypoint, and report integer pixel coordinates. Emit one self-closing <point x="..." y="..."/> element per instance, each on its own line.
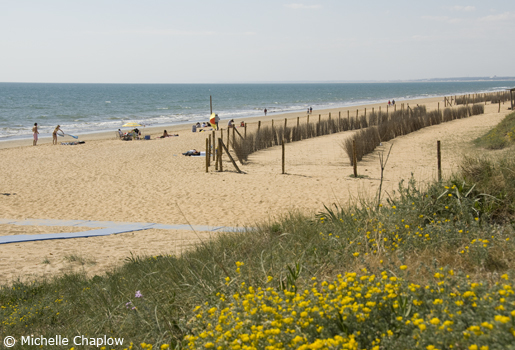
<point x="150" y="181"/>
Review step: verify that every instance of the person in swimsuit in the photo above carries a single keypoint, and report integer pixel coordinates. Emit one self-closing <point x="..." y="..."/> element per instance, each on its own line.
<point x="35" y="132"/>
<point x="54" y="134"/>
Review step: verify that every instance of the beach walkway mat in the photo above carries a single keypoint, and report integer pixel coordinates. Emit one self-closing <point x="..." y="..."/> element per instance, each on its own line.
<point x="100" y="228"/>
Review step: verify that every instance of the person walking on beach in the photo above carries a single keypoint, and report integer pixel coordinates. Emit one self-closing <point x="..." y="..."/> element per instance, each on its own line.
<point x="265" y="112"/>
<point x="310" y="110"/>
<point x="35" y="132"/>
<point x="54" y="134"/>
<point x="217" y="119"/>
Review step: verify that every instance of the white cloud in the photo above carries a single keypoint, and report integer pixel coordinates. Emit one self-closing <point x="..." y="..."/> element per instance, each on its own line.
<point x="463" y="8"/>
<point x="302" y="6"/>
<point x="445" y="19"/>
<point x="501" y="17"/>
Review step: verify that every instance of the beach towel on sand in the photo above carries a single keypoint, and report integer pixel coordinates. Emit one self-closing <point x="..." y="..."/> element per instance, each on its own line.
<point x="72" y="143"/>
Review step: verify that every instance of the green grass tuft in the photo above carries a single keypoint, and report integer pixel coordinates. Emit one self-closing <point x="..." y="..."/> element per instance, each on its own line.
<point x="503" y="135"/>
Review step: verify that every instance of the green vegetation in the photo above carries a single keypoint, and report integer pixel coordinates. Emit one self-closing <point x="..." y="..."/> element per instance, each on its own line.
<point x="430" y="268"/>
<point x="501" y="136"/>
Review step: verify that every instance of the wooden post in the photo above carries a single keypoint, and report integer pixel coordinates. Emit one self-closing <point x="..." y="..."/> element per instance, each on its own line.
<point x="354" y="158"/>
<point x="259" y="126"/>
<point x="214" y="145"/>
<point x="285" y="123"/>
<point x="220" y="143"/>
<point x="395" y="108"/>
<point x="499" y="111"/>
<point x="231" y="158"/>
<point x="439" y="156"/>
<point x="438" y="107"/>
<point x="217" y="152"/>
<point x="298" y="121"/>
<point x="308" y="119"/>
<point x="210" y="105"/>
<point x="272" y="124"/>
<point x="329" y="115"/>
<point x="282" y="144"/>
<point x="365" y="113"/>
<point x="233" y="135"/>
<point x="356" y="115"/>
<point x="228" y="137"/>
<point x="319" y="118"/>
<point x="208" y="151"/>
<point x="245" y="130"/>
<point x="207" y="154"/>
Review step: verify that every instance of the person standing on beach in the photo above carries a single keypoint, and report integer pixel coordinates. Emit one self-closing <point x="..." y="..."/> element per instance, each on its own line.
<point x="217" y="119"/>
<point x="35" y="132"/>
<point x="265" y="112"/>
<point x="54" y="134"/>
<point x="310" y="110"/>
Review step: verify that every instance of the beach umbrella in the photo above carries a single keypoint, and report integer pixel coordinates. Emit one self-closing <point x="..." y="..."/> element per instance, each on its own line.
<point x="131" y="125"/>
<point x="212" y="120"/>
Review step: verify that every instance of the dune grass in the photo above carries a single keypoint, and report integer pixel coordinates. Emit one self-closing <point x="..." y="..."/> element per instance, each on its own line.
<point x="501" y="136"/>
<point x="430" y="266"/>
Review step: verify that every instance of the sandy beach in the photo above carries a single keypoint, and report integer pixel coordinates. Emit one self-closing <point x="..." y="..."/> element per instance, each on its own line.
<point x="106" y="179"/>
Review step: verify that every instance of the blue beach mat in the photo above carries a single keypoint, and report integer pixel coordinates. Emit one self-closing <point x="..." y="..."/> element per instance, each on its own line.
<point x="102" y="228"/>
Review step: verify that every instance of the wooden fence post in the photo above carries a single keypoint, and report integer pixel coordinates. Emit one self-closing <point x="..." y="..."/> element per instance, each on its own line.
<point x="259" y="126"/>
<point x="231" y="158"/>
<point x="214" y="145"/>
<point x="220" y="142"/>
<point x="245" y="130"/>
<point x="228" y="137"/>
<point x="285" y="123"/>
<point x="207" y="154"/>
<point x="282" y="143"/>
<point x="233" y="135"/>
<point x="217" y="153"/>
<point x="354" y="158"/>
<point x="298" y="121"/>
<point x="439" y="157"/>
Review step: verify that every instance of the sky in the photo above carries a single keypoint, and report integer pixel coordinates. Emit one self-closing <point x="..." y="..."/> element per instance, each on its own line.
<point x="235" y="41"/>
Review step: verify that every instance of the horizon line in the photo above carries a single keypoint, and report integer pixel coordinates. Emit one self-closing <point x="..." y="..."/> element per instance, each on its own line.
<point x="453" y="79"/>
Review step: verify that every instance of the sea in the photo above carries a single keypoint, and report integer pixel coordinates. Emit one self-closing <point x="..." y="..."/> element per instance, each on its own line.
<point x="90" y="108"/>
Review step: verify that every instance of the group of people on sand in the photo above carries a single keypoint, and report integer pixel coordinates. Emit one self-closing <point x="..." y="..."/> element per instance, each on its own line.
<point x="35" y="134"/>
<point x="391" y="103"/>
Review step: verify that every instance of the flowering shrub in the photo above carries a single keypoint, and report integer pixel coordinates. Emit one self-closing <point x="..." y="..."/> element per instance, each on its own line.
<point x="362" y="312"/>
